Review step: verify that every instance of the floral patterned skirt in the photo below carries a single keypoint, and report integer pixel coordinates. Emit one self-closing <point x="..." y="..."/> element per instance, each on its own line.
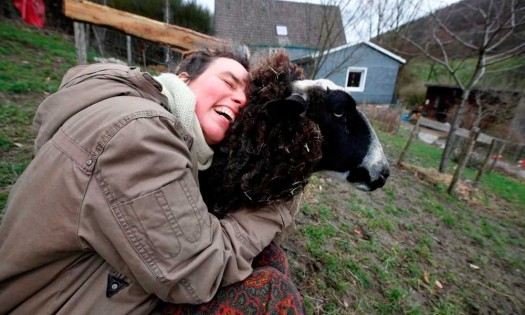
<point x="268" y="290"/>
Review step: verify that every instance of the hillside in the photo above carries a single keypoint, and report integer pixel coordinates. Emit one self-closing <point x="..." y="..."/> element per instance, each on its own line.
<point x="406" y="249"/>
<point x="465" y="21"/>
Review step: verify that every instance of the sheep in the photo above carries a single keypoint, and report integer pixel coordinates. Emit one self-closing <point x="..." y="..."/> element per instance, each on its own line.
<point x="290" y="128"/>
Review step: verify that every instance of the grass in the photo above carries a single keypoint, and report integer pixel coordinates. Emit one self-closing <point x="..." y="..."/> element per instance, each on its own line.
<point x="427" y="156"/>
<point x="33" y="61"/>
<point x="408" y="249"/>
<point x="353" y="252"/>
<point x="32" y="65"/>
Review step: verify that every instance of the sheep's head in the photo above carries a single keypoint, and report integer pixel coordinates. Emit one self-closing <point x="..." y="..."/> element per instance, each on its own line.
<point x="350" y="148"/>
<point x="268" y="155"/>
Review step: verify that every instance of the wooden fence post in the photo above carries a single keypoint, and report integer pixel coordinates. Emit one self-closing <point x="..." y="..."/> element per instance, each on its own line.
<point x="167" y="49"/>
<point x="500" y="151"/>
<point x="485" y="161"/>
<point x="128" y="44"/>
<point x="80" y="42"/>
<point x="519" y="152"/>
<point x="409" y="142"/>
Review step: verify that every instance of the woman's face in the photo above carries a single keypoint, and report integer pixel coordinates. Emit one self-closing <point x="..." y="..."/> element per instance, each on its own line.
<point x="220" y="92"/>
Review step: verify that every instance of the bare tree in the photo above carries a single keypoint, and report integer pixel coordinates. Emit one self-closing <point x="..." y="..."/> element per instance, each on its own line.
<point x="389" y="15"/>
<point x="372" y="16"/>
<point x="493" y="26"/>
<point x="493" y="105"/>
<point x="330" y="32"/>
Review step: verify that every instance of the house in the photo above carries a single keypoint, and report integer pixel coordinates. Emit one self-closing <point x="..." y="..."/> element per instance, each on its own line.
<point x="271" y="24"/>
<point x="367" y="70"/>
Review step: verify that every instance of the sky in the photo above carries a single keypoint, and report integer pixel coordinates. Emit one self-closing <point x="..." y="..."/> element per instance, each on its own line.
<point x="429" y="6"/>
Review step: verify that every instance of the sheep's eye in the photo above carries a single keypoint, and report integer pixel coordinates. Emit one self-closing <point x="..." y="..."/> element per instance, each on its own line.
<point x="338" y="115"/>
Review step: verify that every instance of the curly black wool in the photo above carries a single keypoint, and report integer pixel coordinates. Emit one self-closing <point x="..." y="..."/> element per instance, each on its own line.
<point x="263" y="160"/>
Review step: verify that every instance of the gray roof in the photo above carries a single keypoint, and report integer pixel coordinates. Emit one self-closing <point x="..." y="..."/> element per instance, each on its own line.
<point x="254" y="22"/>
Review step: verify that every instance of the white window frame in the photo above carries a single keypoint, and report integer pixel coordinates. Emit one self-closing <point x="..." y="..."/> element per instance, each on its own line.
<point x="362" y="83"/>
<point x="281" y="30"/>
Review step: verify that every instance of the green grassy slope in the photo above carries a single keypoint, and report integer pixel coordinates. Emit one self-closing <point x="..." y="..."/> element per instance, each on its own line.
<point x="31" y="66"/>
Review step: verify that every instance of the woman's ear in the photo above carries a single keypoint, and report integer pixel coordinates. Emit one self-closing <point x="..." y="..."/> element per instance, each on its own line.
<point x="184" y="76"/>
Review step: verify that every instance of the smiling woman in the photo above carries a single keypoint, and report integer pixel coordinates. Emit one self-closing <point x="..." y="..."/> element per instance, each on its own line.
<point x="117" y="159"/>
<point x="220" y="93"/>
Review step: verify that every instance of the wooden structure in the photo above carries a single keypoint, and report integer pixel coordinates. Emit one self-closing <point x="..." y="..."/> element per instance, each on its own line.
<point x="179" y="38"/>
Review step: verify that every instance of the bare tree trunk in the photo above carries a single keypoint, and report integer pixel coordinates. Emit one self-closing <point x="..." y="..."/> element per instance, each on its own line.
<point x="453" y="127"/>
<point x="469" y="146"/>
<point x="409" y="142"/>
<point x="485" y="161"/>
<point x="500" y="151"/>
<point x="80" y="42"/>
<point x="457" y="146"/>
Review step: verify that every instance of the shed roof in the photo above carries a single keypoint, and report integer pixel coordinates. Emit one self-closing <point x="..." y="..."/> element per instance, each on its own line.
<point x="369" y="44"/>
<point x="254" y="22"/>
<point x="374" y="46"/>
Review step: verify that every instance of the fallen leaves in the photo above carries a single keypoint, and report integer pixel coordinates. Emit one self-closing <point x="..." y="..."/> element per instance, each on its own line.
<point x="472" y="266"/>
<point x="426" y="279"/>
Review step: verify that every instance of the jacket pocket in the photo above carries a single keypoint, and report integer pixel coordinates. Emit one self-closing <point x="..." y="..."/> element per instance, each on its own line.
<point x="161" y="220"/>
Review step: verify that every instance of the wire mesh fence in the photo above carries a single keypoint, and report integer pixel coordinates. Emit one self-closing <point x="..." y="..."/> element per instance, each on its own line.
<point x="110" y="45"/>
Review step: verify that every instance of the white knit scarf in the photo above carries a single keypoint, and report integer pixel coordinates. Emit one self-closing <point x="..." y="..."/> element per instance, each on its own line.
<point x="182" y="104"/>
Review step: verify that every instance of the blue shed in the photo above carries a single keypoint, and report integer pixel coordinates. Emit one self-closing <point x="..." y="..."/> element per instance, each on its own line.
<point x="367" y="70"/>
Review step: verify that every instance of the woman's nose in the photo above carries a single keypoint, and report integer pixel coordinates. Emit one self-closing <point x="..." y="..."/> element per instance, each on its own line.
<point x="239" y="97"/>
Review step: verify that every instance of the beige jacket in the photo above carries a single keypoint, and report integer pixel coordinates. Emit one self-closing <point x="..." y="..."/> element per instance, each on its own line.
<point x="108" y="218"/>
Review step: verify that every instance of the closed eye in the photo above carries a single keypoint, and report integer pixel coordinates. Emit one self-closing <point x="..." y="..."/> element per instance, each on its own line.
<point x="230" y="84"/>
<point x="338" y="115"/>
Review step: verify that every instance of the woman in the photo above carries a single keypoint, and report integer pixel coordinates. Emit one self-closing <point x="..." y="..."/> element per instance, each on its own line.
<point x="108" y="218"/>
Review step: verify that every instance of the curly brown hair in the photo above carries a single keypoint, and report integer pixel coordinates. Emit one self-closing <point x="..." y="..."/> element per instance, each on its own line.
<point x="263" y="159"/>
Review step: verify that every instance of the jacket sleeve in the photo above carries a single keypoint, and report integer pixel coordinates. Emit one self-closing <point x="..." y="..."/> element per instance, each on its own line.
<point x="158" y="228"/>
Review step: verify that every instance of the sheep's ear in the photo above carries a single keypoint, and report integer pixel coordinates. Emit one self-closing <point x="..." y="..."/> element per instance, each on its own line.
<point x="288" y="108"/>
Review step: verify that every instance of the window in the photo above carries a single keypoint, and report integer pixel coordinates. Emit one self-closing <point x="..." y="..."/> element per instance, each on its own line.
<point x="281" y="30"/>
<point x="355" y="79"/>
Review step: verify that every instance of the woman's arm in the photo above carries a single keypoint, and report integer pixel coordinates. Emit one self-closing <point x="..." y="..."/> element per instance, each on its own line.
<point x="152" y="215"/>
